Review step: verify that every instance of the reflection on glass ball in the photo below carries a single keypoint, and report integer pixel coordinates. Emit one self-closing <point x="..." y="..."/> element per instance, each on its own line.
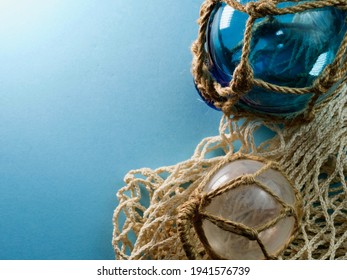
<point x="249" y="205"/>
<point x="288" y="50"/>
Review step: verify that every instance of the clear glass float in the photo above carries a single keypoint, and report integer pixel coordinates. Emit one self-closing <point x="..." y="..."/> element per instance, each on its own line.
<point x="251" y="206"/>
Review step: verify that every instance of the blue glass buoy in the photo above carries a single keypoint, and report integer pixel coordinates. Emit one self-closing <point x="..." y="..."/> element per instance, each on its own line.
<point x="287" y="50"/>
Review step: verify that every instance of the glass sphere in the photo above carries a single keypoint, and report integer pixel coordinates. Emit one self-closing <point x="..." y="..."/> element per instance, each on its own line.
<point x="249" y="205"/>
<point x="287" y="50"/>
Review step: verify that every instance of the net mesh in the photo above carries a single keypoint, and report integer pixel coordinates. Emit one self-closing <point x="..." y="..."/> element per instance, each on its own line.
<point x="159" y="211"/>
<point x="312" y="155"/>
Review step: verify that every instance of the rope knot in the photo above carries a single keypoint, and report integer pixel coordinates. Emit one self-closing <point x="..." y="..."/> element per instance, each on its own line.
<point x="325" y="81"/>
<point x="242" y="81"/>
<point x="228" y="106"/>
<point x="259" y="9"/>
<point x="248" y="179"/>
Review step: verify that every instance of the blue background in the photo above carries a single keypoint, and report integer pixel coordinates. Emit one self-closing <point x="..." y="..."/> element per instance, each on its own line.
<point x="89" y="89"/>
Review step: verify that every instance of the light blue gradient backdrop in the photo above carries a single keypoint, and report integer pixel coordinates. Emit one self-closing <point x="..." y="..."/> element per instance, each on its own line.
<point x="89" y="89"/>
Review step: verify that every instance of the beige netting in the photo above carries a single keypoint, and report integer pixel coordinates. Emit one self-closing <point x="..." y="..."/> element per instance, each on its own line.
<point x="313" y="155"/>
<point x="160" y="211"/>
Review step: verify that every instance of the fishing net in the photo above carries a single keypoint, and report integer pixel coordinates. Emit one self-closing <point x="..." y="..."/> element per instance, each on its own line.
<point x="160" y="212"/>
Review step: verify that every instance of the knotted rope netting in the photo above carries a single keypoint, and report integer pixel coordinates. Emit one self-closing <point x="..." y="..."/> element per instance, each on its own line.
<point x="160" y="212"/>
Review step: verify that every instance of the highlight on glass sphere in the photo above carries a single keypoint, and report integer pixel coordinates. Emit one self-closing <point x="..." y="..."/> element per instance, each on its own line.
<point x="251" y="206"/>
<point x="288" y="50"/>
